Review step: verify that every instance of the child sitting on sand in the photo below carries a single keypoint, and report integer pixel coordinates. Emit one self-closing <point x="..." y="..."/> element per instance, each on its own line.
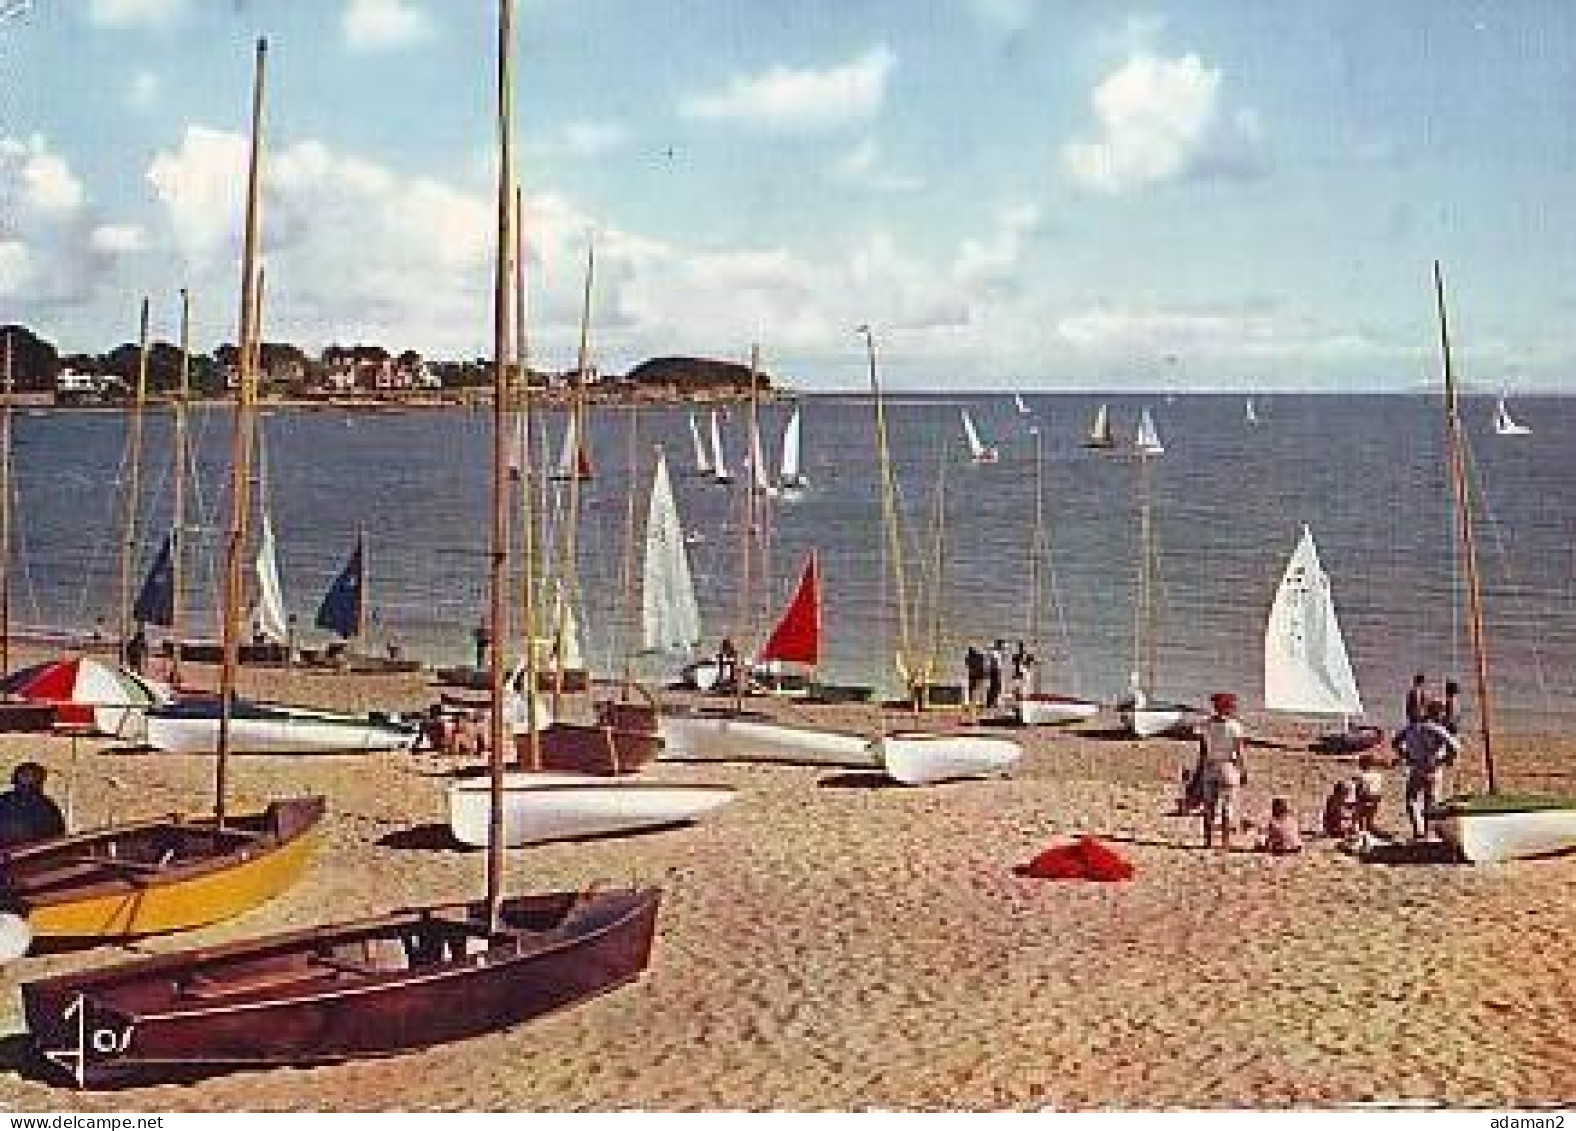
<point x="1369" y="785"/>
<point x="1281" y="835"/>
<point x="1340" y="810"/>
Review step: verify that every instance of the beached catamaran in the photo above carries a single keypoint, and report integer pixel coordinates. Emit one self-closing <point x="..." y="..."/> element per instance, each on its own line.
<point x="1492" y="826"/>
<point x="1306" y="668"/>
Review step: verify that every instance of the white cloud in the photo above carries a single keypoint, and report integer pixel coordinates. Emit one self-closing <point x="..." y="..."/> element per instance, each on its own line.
<point x="374" y="25"/>
<point x="995" y="258"/>
<point x="135" y="13"/>
<point x="143" y="91"/>
<point x="50" y="249"/>
<point x="118" y="238"/>
<point x="579" y="139"/>
<point x="1159" y="119"/>
<point x="864" y="165"/>
<point x="801" y="99"/>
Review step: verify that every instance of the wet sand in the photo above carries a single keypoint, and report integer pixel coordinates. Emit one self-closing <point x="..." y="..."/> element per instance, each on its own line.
<point x="830" y="941"/>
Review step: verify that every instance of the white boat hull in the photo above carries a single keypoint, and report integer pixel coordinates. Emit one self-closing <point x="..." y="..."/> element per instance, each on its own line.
<point x="719" y="738"/>
<point x="277" y="731"/>
<point x="546" y="807"/>
<point x="923" y="759"/>
<point x="1487" y="838"/>
<point x="1147" y="722"/>
<point x="1055" y="710"/>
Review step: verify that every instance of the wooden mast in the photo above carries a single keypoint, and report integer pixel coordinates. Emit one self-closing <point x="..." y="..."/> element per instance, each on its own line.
<point x="744" y="656"/>
<point x="241" y="440"/>
<point x="889" y="513"/>
<point x="178" y="504"/>
<point x="1037" y="546"/>
<point x="128" y="546"/>
<point x="567" y="586"/>
<point x="498" y="573"/>
<point x="5" y="506"/>
<point x="1461" y="489"/>
<point x="1144" y="613"/>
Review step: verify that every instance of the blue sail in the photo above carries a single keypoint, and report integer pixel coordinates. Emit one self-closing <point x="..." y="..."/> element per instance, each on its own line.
<point x="341" y="609"/>
<point x="155" y="602"/>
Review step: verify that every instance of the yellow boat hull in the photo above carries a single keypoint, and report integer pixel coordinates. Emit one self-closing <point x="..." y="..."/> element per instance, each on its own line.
<point x="125" y="899"/>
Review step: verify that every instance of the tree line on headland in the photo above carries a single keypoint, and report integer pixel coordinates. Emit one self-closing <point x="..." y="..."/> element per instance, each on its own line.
<point x="289" y="371"/>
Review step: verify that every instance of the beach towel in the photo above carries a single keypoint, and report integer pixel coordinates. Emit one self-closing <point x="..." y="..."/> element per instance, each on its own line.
<point x="1086" y="859"/>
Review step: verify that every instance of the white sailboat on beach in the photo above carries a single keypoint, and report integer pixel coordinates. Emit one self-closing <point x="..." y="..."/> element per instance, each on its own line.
<point x="1100" y="434"/>
<point x="979" y="451"/>
<point x="1306" y="668"/>
<point x="1143" y="717"/>
<point x="1504" y="424"/>
<point x="719" y="466"/>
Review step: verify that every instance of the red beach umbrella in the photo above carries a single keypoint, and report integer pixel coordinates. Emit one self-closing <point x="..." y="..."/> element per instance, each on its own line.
<point x="85" y="692"/>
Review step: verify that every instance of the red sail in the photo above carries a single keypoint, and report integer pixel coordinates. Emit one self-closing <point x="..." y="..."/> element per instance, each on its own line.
<point x="797" y="637"/>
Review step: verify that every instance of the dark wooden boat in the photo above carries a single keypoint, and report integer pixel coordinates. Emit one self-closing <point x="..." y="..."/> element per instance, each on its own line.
<point x="166" y="874"/>
<point x="374" y="987"/>
<point x="624" y="738"/>
<point x="1351" y="741"/>
<point x="256" y="652"/>
<point x="575" y="681"/>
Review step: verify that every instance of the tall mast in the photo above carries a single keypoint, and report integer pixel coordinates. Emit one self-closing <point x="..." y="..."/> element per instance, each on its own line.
<point x="626" y="586"/>
<point x="503" y="275"/>
<point x="1037" y="546"/>
<point x="128" y="546"/>
<point x="1144" y="614"/>
<point x="1461" y="489"/>
<point x="889" y="511"/>
<point x="746" y="631"/>
<point x="528" y="512"/>
<point x="567" y="586"/>
<point x="5" y="508"/>
<point x="241" y="439"/>
<point x="178" y="505"/>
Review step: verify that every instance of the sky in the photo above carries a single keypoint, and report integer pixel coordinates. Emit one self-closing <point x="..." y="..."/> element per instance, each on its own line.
<point x="1014" y="194"/>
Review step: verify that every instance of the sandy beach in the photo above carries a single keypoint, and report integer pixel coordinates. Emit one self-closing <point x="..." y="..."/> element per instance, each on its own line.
<point x="833" y="942"/>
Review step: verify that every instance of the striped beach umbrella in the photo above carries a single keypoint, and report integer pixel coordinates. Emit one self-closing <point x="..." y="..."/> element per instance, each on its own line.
<point x="84" y="692"/>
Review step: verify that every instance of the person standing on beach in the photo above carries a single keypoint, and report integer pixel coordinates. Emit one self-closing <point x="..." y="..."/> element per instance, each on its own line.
<point x="1452" y="719"/>
<point x="974" y="672"/>
<point x="1417" y="699"/>
<point x="482" y="638"/>
<point x="136" y="650"/>
<point x="1022" y="671"/>
<point x="995" y="660"/>
<point x="1221" y="769"/>
<point x="1427" y="748"/>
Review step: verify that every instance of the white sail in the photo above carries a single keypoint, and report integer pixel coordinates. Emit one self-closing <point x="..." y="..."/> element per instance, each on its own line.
<point x="570" y="637"/>
<point x="517" y="446"/>
<point x="568" y="457"/>
<point x="702" y="460"/>
<point x="758" y="460"/>
<point x="790" y="466"/>
<point x="669" y="615"/>
<point x="1306" y="668"/>
<point x="1100" y="430"/>
<point x="971" y="434"/>
<point x="1249" y="413"/>
<point x="718" y="464"/>
<point x="1505" y="424"/>
<point x="268" y="615"/>
<point x="1017" y="401"/>
<point x="1147" y="439"/>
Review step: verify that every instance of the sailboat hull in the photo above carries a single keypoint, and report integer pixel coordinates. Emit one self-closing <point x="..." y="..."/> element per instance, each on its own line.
<point x="1152" y="720"/>
<point x="540" y="807"/>
<point x="924" y="759"/>
<point x="729" y="738"/>
<point x="1055" y="710"/>
<point x="368" y="988"/>
<point x="160" y="876"/>
<point x="193" y="728"/>
<point x="622" y="740"/>
<point x="1488" y="837"/>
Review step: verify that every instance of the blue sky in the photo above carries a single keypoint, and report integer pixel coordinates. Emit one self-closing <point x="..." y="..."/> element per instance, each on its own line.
<point x="1023" y="194"/>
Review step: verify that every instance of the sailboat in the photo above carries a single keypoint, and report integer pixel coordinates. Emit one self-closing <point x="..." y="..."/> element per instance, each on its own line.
<point x="914" y="757"/>
<point x="719" y="466"/>
<point x="1504" y="424"/>
<point x="1100" y="434"/>
<point x="1306" y="668"/>
<point x="702" y="458"/>
<point x="1493" y="826"/>
<point x="1017" y="403"/>
<point x="386" y="984"/>
<point x="174" y="872"/>
<point x="669" y="613"/>
<point x="1142" y="717"/>
<point x="1035" y="707"/>
<point x="791" y="481"/>
<point x="979" y="451"/>
<point x="574" y="460"/>
<point x="1249" y="413"/>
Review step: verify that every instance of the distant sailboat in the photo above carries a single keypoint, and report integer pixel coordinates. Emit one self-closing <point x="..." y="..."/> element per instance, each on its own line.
<point x="1017" y="402"/>
<point x="1306" y="668"/>
<point x="702" y="459"/>
<point x="669" y="614"/>
<point x="1100" y="434"/>
<point x="979" y="451"/>
<point x="790" y="480"/>
<point x="574" y="461"/>
<point x="1249" y="414"/>
<point x="719" y="466"/>
<point x="1147" y="440"/>
<point x="1504" y="424"/>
